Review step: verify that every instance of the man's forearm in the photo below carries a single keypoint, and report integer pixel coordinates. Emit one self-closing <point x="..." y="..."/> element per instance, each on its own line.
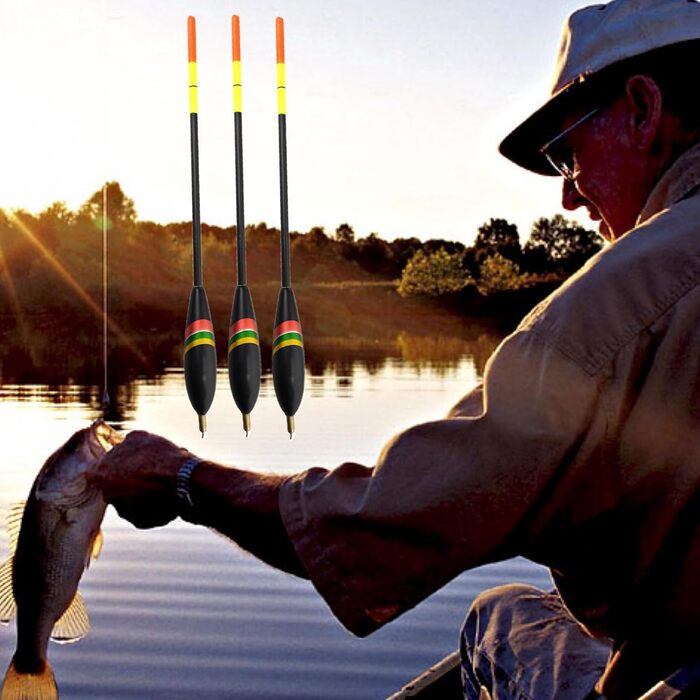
<point x="244" y="507"/>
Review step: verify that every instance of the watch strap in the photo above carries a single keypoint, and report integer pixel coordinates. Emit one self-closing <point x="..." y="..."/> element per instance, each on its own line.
<point x="182" y="483"/>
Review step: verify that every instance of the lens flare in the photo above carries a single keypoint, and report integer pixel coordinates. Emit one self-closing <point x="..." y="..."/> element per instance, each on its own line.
<point x="8" y="283"/>
<point x="75" y="286"/>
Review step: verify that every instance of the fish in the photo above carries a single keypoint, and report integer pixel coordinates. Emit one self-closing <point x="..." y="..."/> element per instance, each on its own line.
<point x="53" y="537"/>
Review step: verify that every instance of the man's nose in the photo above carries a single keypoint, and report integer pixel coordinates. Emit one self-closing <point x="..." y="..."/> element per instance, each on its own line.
<point x="571" y="198"/>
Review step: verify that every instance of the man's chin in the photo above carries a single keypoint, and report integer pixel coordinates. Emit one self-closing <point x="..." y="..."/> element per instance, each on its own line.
<point x="604" y="231"/>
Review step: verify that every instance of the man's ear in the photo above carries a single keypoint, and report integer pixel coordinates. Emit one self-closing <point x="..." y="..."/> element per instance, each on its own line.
<point x="645" y="102"/>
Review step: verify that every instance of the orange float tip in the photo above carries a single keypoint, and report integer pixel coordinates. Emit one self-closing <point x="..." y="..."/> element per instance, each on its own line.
<point x="191" y="40"/>
<point x="236" y="37"/>
<point x="279" y="25"/>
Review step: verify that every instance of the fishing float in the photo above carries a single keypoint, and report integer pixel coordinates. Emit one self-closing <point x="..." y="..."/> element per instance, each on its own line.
<point x="287" y="341"/>
<point x="243" y="342"/>
<point x="199" y="349"/>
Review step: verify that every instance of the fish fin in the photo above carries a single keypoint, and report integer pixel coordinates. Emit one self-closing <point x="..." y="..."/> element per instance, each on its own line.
<point x="96" y="548"/>
<point x="74" y="624"/>
<point x="7" y="597"/>
<point x="14" y="523"/>
<point x="29" y="686"/>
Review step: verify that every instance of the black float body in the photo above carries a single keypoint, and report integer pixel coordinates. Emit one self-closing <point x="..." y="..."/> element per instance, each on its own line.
<point x="288" y="362"/>
<point x="244" y="366"/>
<point x="200" y="361"/>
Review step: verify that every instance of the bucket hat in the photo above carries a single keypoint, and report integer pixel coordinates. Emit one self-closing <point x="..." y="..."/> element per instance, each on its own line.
<point x="595" y="38"/>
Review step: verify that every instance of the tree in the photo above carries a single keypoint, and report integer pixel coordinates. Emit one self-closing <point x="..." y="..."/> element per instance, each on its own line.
<point x="315" y="240"/>
<point x="222" y="235"/>
<point x="372" y="253"/>
<point x="497" y="236"/>
<point x="260" y="233"/>
<point x="402" y="250"/>
<point x="433" y="274"/>
<point x="120" y="209"/>
<point x="54" y="223"/>
<point x="17" y="254"/>
<point x="498" y="274"/>
<point x="433" y="244"/>
<point x="57" y="213"/>
<point x="562" y="243"/>
<point x="345" y="234"/>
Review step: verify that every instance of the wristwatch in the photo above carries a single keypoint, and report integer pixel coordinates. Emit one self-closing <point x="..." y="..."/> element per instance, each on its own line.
<point x="182" y="483"/>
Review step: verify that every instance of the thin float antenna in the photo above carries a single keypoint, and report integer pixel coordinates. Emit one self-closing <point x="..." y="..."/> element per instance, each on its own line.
<point x="243" y="341"/>
<point x="200" y="349"/>
<point x="287" y="341"/>
<point x="238" y="126"/>
<point x="105" y="330"/>
<point x="282" y="129"/>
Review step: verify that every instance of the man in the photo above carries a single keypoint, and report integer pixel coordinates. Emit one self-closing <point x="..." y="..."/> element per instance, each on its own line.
<point x="580" y="451"/>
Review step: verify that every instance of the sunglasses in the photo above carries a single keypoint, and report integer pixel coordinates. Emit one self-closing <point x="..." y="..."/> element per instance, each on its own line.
<point x="561" y="156"/>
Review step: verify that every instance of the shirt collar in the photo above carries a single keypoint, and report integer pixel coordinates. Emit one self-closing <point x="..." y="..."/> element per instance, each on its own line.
<point x="676" y="183"/>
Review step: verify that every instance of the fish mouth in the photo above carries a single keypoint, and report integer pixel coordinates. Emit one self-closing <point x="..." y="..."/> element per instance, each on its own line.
<point x="105" y="435"/>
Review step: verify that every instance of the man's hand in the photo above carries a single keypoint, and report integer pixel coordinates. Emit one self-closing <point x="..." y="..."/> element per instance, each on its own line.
<point x="138" y="478"/>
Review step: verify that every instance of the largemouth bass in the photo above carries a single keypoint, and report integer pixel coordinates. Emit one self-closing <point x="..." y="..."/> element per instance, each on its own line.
<point x="52" y="539"/>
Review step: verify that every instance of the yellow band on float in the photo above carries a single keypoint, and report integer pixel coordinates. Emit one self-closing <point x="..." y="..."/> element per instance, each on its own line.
<point x="201" y="341"/>
<point x="286" y="344"/>
<point x="243" y="341"/>
<point x="193" y="87"/>
<point x="281" y="90"/>
<point x="237" y="91"/>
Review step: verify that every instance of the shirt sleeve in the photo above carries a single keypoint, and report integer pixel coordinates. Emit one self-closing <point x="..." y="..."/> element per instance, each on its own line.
<point x="444" y="496"/>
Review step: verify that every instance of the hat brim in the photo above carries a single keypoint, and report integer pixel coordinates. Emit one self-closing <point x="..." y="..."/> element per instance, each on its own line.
<point x="523" y="145"/>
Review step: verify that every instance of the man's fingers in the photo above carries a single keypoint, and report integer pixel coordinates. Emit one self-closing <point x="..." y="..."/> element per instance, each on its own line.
<point x="138" y="443"/>
<point x="138" y="478"/>
<point x="143" y="515"/>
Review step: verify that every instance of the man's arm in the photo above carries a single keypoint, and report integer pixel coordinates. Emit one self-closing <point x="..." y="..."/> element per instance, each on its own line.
<point x="139" y="478"/>
<point x="244" y="507"/>
<point x="485" y="483"/>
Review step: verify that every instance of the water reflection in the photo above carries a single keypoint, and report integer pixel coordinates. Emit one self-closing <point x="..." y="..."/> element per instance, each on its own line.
<point x="122" y="397"/>
<point x="74" y="377"/>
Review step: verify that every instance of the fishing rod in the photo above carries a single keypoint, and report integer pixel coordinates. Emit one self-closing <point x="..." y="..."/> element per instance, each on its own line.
<point x="287" y="341"/>
<point x="243" y="341"/>
<point x="200" y="349"/>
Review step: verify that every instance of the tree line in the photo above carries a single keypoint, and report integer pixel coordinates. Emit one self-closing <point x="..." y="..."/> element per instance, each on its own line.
<point x="152" y="255"/>
<point x="497" y="262"/>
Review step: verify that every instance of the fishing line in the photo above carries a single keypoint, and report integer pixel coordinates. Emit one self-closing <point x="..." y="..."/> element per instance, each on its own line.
<point x="105" y="394"/>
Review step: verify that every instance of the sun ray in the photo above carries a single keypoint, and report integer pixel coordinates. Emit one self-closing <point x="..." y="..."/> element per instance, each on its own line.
<point x="9" y="284"/>
<point x="75" y="286"/>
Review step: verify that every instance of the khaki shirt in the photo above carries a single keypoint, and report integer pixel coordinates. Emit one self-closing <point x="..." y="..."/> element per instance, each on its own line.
<point x="581" y="451"/>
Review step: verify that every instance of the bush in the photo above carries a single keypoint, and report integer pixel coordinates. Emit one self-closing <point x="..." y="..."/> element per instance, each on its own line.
<point x="498" y="274"/>
<point x="434" y="274"/>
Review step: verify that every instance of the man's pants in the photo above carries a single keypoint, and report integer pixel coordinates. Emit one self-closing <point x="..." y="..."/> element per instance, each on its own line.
<point x="520" y="643"/>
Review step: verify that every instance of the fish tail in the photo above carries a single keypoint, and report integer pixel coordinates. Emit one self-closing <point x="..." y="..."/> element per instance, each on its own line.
<point x="29" y="686"/>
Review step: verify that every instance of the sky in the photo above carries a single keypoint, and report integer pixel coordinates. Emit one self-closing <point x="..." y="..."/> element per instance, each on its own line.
<point x="395" y="109"/>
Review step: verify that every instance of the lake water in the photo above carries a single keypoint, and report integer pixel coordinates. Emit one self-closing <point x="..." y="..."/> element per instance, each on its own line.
<point x="180" y="612"/>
